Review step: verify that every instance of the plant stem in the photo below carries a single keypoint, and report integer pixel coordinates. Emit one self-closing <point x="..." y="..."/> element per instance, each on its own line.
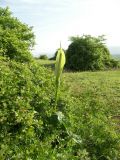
<point x="57" y="89"/>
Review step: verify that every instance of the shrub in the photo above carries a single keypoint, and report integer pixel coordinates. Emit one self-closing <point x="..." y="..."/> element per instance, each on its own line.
<point x="45" y="57"/>
<point x="25" y="101"/>
<point x="87" y="53"/>
<point x="114" y="63"/>
<point x="16" y="38"/>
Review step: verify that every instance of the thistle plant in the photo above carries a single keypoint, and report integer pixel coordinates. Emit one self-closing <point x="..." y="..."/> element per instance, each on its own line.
<point x="59" y="65"/>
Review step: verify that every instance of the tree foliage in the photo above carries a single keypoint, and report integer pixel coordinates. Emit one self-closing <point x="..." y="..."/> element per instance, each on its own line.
<point x="44" y="57"/>
<point x="16" y="38"/>
<point x="87" y="53"/>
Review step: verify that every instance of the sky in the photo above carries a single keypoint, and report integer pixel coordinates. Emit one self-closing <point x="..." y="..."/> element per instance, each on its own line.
<point x="57" y="20"/>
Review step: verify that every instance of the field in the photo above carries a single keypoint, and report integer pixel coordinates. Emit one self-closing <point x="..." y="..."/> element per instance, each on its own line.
<point x="103" y="86"/>
<point x="83" y="124"/>
<point x="46" y="63"/>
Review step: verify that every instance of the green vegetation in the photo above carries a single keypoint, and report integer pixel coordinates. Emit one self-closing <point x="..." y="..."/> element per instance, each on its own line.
<point x="46" y="63"/>
<point x="85" y="125"/>
<point x="16" y="38"/>
<point x="59" y="65"/>
<point x="116" y="56"/>
<point x="84" y="128"/>
<point x="25" y="97"/>
<point x="103" y="86"/>
<point x="89" y="53"/>
<point x="55" y="55"/>
<point x="97" y="109"/>
<point x="44" y="57"/>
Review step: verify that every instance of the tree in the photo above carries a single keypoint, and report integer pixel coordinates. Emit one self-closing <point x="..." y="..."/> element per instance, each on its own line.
<point x="87" y="53"/>
<point x="44" y="57"/>
<point x="16" y="38"/>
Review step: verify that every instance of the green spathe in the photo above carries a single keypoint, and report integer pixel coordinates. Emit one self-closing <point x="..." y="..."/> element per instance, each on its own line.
<point x="60" y="62"/>
<point x="59" y="65"/>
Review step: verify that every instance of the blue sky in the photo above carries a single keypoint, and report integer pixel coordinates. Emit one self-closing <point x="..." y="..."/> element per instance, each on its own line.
<point x="57" y="20"/>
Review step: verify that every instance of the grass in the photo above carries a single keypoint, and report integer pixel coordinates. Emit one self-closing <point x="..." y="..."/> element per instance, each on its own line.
<point x="87" y="124"/>
<point x="102" y="86"/>
<point x="46" y="63"/>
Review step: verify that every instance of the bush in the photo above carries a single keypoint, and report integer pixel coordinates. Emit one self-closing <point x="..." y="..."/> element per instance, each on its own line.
<point x="114" y="63"/>
<point x="87" y="53"/>
<point x="45" y="57"/>
<point x="16" y="38"/>
<point x="25" y="101"/>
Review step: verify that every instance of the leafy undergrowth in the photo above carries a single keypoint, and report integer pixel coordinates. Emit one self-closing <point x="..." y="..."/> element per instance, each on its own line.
<point x="82" y="128"/>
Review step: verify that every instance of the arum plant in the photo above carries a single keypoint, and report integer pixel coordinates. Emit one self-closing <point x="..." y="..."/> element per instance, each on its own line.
<point x="59" y="65"/>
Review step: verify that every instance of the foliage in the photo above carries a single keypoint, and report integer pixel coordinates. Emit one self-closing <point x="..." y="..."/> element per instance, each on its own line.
<point x="16" y="38"/>
<point x="46" y="63"/>
<point x="92" y="130"/>
<point x="25" y="102"/>
<point x="86" y="124"/>
<point x="94" y="112"/>
<point x="31" y="128"/>
<point x="88" y="53"/>
<point x="44" y="57"/>
<point x="115" y="63"/>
